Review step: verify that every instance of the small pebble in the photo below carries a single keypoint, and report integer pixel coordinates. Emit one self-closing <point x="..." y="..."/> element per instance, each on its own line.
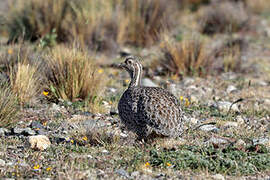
<point x="2" y="162"/>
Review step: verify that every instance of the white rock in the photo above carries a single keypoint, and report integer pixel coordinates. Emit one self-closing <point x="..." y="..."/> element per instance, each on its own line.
<point x="240" y="120"/>
<point x="231" y="89"/>
<point x="225" y="106"/>
<point x="55" y="107"/>
<point x="123" y="135"/>
<point x="209" y="127"/>
<point x="194" y="99"/>
<point x="240" y="142"/>
<point x="135" y="174"/>
<point x="215" y="140"/>
<point x="193" y="120"/>
<point x="105" y="151"/>
<point x="2" y="162"/>
<point x="39" y="142"/>
<point x="231" y="124"/>
<point x="218" y="177"/>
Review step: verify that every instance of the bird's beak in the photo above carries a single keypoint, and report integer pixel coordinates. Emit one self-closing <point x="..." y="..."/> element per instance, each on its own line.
<point x="121" y="65"/>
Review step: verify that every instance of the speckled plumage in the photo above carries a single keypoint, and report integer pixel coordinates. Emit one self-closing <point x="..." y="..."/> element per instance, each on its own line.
<point x="147" y="110"/>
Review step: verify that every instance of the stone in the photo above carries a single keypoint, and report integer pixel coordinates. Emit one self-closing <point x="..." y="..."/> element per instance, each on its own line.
<point x="2" y="162"/>
<point x="17" y="130"/>
<point x="2" y="132"/>
<point x="29" y="132"/>
<point x="135" y="174"/>
<point x="193" y="120"/>
<point x="209" y="128"/>
<point x="55" y="107"/>
<point x="240" y="120"/>
<point x="218" y="177"/>
<point x="231" y="89"/>
<point x="225" y="106"/>
<point x="240" y="143"/>
<point x="122" y="172"/>
<point x="148" y="83"/>
<point x="217" y="141"/>
<point x="188" y="81"/>
<point x="39" y="142"/>
<point x="105" y="151"/>
<point x="231" y="124"/>
<point x="194" y="99"/>
<point x="91" y="123"/>
<point x="262" y="141"/>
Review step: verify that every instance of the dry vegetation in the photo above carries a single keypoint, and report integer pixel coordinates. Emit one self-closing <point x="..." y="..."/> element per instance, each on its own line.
<point x="53" y="69"/>
<point x="8" y="106"/>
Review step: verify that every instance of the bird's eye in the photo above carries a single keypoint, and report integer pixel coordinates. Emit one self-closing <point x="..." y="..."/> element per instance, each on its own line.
<point x="128" y="61"/>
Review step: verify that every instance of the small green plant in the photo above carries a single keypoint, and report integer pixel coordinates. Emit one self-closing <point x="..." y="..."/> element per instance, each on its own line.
<point x="229" y="160"/>
<point x="8" y="106"/>
<point x="49" y="40"/>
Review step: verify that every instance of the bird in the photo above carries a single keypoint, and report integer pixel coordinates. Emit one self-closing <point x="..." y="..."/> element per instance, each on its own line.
<point x="148" y="111"/>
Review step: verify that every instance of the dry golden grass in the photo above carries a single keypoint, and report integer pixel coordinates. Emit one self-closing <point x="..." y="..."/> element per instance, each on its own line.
<point x="25" y="82"/>
<point x="186" y="58"/>
<point x="8" y="106"/>
<point x="97" y="24"/>
<point x="232" y="59"/>
<point x="73" y="76"/>
<point x="143" y="21"/>
<point x="22" y="69"/>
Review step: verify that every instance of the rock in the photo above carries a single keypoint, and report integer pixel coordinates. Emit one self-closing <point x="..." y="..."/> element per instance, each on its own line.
<point x="112" y="90"/>
<point x="135" y="174"/>
<point x="39" y="142"/>
<point x="194" y="99"/>
<point x="231" y="124"/>
<point x="17" y="130"/>
<point x="2" y="162"/>
<point x="123" y="135"/>
<point x="209" y="128"/>
<point x="55" y="107"/>
<point x="262" y="83"/>
<point x="231" y="89"/>
<point x="29" y="131"/>
<point x="266" y="102"/>
<point x="122" y="172"/>
<point x="217" y="141"/>
<point x="193" y="120"/>
<point x="188" y="81"/>
<point x="3" y="131"/>
<point x="262" y="141"/>
<point x="225" y="106"/>
<point x="240" y="120"/>
<point x="91" y="123"/>
<point x="148" y="82"/>
<point x="105" y="151"/>
<point x="218" y="177"/>
<point x="240" y="143"/>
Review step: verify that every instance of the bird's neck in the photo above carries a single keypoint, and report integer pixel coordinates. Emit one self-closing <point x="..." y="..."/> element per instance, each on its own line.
<point x="136" y="77"/>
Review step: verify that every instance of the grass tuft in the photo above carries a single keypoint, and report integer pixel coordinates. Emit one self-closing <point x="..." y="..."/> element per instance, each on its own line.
<point x="73" y="76"/>
<point x="25" y="83"/>
<point x="8" y="106"/>
<point x="186" y="58"/>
